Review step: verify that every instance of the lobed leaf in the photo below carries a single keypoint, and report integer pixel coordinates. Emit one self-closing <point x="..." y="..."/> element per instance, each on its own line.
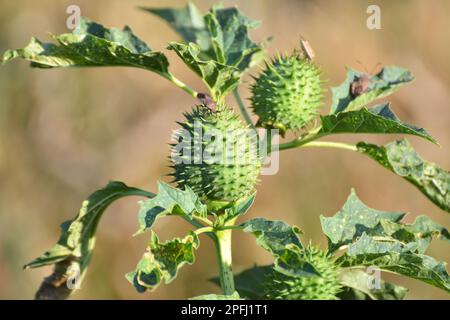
<point x="376" y="238"/>
<point x="418" y="235"/>
<point x="92" y="45"/>
<point x="413" y="265"/>
<point x="222" y="35"/>
<point x="187" y="21"/>
<point x="273" y="236"/>
<point x="162" y="261"/>
<point x="219" y="78"/>
<point x="400" y="158"/>
<point x="218" y="47"/>
<point x="282" y="241"/>
<point x="358" y="285"/>
<point x="386" y="82"/>
<point x="378" y="119"/>
<point x="230" y="40"/>
<point x="169" y="201"/>
<point x="352" y="220"/>
<point x="74" y="249"/>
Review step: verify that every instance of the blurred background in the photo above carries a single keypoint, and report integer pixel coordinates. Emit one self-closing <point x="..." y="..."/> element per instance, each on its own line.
<point x="66" y="132"/>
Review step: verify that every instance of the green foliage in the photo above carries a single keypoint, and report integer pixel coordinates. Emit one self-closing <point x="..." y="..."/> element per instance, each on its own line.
<point x="400" y="158"/>
<point x="219" y="78"/>
<point x="378" y="119"/>
<point x="211" y="194"/>
<point x="287" y="94"/>
<point x="222" y="34"/>
<point x="274" y="236"/>
<point x="218" y="47"/>
<point x="375" y="238"/>
<point x="162" y="261"/>
<point x="413" y="265"/>
<point x="92" y="45"/>
<point x="72" y="253"/>
<point x="370" y="238"/>
<point x="386" y="82"/>
<point x="188" y="22"/>
<point x="357" y="286"/>
<point x="352" y="220"/>
<point x="170" y="201"/>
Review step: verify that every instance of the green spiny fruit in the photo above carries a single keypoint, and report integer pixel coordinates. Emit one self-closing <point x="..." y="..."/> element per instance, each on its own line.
<point x="231" y="171"/>
<point x="288" y="93"/>
<point x="325" y="286"/>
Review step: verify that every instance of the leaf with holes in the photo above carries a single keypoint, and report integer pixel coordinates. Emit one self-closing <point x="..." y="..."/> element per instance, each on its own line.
<point x="359" y="285"/>
<point x="282" y="241"/>
<point x="352" y="220"/>
<point x="162" y="261"/>
<point x="400" y="158"/>
<point x="73" y="251"/>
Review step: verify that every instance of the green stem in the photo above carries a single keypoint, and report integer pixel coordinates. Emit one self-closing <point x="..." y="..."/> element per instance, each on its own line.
<point x="200" y="227"/>
<point x="308" y="141"/>
<point x="300" y="141"/>
<point x="224" y="259"/>
<point x="181" y="85"/>
<point x="330" y="144"/>
<point x="204" y="230"/>
<point x="243" y="109"/>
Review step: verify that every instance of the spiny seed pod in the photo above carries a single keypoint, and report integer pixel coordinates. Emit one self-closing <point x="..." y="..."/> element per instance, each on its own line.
<point x="217" y="156"/>
<point x="288" y="93"/>
<point x="325" y="286"/>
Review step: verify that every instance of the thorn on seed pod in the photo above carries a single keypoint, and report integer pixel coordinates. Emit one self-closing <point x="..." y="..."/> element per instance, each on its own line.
<point x="207" y="101"/>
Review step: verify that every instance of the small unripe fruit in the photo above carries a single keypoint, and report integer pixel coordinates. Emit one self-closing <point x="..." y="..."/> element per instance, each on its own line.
<point x="287" y="95"/>
<point x="323" y="287"/>
<point x="219" y="158"/>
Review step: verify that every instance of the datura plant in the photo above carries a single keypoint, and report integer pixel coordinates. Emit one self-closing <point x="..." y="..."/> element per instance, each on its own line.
<point x="211" y="193"/>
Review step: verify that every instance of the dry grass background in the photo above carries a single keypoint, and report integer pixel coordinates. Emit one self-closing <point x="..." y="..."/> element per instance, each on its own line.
<point x="65" y="133"/>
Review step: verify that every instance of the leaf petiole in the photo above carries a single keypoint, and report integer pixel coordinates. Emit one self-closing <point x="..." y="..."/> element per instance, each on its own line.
<point x="169" y="76"/>
<point x="330" y="144"/>
<point x="308" y="141"/>
<point x="204" y="230"/>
